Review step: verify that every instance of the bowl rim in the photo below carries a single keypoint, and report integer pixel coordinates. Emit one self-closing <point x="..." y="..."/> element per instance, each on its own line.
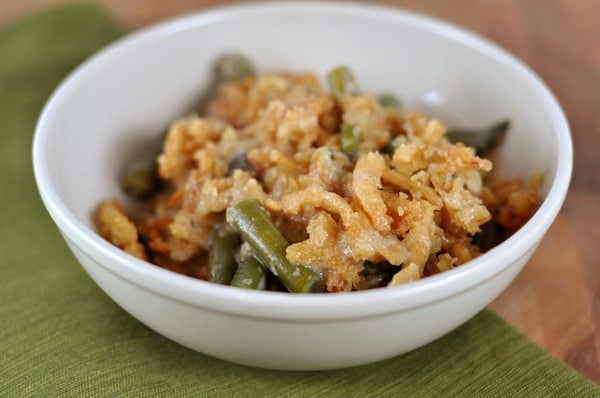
<point x="259" y="304"/>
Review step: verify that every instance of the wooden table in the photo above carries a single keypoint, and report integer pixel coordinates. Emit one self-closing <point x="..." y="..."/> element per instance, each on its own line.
<point x="556" y="299"/>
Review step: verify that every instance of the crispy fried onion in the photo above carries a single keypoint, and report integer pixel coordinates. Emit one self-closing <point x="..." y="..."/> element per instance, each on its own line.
<point x="354" y="240"/>
<point x="116" y="227"/>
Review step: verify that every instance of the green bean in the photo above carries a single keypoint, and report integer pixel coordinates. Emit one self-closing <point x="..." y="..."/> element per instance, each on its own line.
<point x="250" y="274"/>
<point x="140" y="180"/>
<point x="350" y="138"/>
<point x="341" y="82"/>
<point x="389" y="101"/>
<point x="491" y="235"/>
<point x="221" y="254"/>
<point x="482" y="140"/>
<point x="251" y="220"/>
<point x="233" y="67"/>
<point x="376" y="275"/>
<point x="229" y="67"/>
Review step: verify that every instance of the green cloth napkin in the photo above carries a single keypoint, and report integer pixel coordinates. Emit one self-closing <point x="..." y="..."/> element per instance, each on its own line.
<point x="60" y="335"/>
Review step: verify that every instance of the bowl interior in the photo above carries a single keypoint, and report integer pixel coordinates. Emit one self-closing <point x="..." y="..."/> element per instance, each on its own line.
<point x="123" y="98"/>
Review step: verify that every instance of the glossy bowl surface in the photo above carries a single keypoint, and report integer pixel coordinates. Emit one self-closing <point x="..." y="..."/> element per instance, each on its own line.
<point x="124" y="97"/>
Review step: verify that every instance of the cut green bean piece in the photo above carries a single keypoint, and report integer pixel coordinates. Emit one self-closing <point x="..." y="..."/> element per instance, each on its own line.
<point x="233" y="67"/>
<point x="482" y="140"/>
<point x="350" y="138"/>
<point x="341" y="82"/>
<point x="252" y="221"/>
<point x="376" y="275"/>
<point x="221" y="255"/>
<point x="229" y="67"/>
<point x="389" y="101"/>
<point x="491" y="235"/>
<point x="250" y="274"/>
<point x="140" y="180"/>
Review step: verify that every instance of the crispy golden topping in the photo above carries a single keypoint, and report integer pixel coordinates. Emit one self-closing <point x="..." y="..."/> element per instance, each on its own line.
<point x="394" y="193"/>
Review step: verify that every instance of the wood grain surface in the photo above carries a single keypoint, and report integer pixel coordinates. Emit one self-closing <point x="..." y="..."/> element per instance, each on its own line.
<point x="556" y="299"/>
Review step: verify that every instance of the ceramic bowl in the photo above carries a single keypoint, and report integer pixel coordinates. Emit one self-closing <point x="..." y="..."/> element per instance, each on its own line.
<point x="127" y="94"/>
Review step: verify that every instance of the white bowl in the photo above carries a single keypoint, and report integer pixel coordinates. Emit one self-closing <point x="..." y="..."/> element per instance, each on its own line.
<point x="128" y="93"/>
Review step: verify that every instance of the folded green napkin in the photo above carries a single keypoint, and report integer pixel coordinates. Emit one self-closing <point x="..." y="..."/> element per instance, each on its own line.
<point x="60" y="335"/>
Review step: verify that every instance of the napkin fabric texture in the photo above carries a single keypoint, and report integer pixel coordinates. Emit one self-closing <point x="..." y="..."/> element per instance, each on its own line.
<point x="60" y="335"/>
